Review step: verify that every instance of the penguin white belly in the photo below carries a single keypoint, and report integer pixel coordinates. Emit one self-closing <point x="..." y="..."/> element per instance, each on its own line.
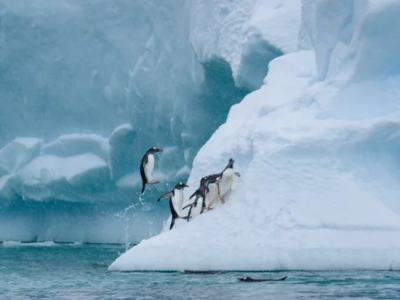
<point x="148" y="168"/>
<point x="212" y="195"/>
<point x="226" y="182"/>
<point x="177" y="201"/>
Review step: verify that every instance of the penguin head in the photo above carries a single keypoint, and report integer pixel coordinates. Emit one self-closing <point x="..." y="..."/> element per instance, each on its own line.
<point x="230" y="163"/>
<point x="180" y="186"/>
<point x="154" y="150"/>
<point x="203" y="181"/>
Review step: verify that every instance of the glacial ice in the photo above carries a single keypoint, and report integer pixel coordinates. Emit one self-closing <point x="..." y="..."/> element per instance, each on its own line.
<point x="317" y="146"/>
<point x="75" y="144"/>
<point x="245" y="33"/>
<point x="17" y="153"/>
<point x="95" y="84"/>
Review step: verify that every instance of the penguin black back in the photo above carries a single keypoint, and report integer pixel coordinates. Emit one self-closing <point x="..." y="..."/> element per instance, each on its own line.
<point x="143" y="164"/>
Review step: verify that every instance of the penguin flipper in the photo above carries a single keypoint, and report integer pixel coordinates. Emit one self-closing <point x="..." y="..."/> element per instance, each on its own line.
<point x="166" y="195"/>
<point x="172" y="223"/>
<point x="189" y="213"/>
<point x="194" y="194"/>
<point x="189" y="205"/>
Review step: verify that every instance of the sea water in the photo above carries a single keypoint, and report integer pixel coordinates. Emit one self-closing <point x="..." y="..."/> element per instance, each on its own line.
<point x="75" y="271"/>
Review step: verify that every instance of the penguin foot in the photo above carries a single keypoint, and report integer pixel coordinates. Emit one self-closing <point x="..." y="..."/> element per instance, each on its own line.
<point x="184" y="218"/>
<point x="154" y="182"/>
<point x="209" y="208"/>
<point x="237" y="174"/>
<point x="222" y="200"/>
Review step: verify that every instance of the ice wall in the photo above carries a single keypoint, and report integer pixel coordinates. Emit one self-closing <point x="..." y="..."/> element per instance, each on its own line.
<point x="245" y="33"/>
<point x="317" y="147"/>
<point x="88" y="86"/>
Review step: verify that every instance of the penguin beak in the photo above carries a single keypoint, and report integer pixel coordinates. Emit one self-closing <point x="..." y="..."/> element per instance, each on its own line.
<point x="159" y="150"/>
<point x="185" y="185"/>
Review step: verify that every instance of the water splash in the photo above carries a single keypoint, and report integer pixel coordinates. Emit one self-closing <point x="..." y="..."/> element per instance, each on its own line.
<point x="126" y="218"/>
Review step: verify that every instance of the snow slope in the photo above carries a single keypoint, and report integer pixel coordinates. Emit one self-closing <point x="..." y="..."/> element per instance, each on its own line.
<point x="317" y="147"/>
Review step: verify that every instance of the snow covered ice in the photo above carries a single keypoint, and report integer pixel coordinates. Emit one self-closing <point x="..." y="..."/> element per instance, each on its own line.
<point x="318" y="149"/>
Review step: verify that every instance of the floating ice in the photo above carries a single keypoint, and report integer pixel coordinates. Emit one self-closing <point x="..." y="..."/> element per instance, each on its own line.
<point x="9" y="244"/>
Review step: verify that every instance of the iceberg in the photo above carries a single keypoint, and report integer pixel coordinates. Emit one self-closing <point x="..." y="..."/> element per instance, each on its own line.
<point x="96" y="84"/>
<point x="317" y="147"/>
<point x="75" y="144"/>
<point x="245" y="33"/>
<point x="17" y="153"/>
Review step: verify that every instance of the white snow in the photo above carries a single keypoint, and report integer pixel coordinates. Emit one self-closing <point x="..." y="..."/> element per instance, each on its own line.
<point x="50" y="167"/>
<point x="17" y="153"/>
<point x="75" y="144"/>
<point x="121" y="130"/>
<point x="230" y="29"/>
<point x="317" y="147"/>
<point x="131" y="180"/>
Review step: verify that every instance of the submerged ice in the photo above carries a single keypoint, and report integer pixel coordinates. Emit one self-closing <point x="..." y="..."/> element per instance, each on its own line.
<point x="317" y="147"/>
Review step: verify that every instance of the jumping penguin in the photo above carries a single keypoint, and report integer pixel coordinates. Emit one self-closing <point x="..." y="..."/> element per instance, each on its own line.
<point x="225" y="184"/>
<point x="147" y="166"/>
<point x="175" y="202"/>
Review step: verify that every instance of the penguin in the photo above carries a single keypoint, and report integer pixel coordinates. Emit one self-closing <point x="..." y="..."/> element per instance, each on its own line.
<point x="175" y="202"/>
<point x="147" y="166"/>
<point x="212" y="192"/>
<point x="201" y="193"/>
<point x="225" y="183"/>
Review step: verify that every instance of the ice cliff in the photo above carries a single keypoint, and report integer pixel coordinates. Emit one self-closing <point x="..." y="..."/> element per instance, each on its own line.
<point x="318" y="149"/>
<point x="86" y="87"/>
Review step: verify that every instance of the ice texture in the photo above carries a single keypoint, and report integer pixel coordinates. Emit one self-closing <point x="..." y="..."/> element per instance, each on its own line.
<point x="17" y="153"/>
<point x="75" y="144"/>
<point x="96" y="83"/>
<point x="245" y="33"/>
<point x="318" y="150"/>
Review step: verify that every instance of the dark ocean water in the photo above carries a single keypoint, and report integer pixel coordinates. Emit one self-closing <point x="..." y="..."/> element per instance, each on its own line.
<point x="74" y="271"/>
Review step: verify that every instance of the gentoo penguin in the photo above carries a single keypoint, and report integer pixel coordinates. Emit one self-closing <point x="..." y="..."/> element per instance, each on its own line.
<point x="147" y="166"/>
<point x="175" y="202"/>
<point x="201" y="193"/>
<point x="212" y="192"/>
<point x="225" y="184"/>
